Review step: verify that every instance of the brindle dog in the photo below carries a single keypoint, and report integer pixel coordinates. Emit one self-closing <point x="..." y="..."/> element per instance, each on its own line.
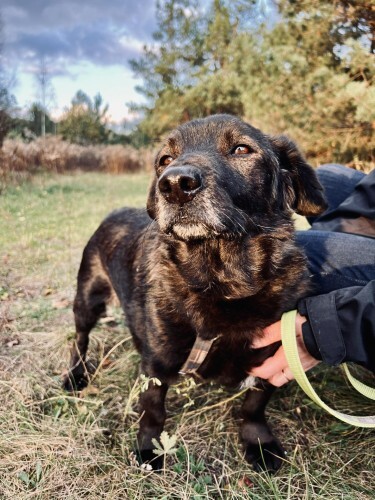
<point x="214" y="257"/>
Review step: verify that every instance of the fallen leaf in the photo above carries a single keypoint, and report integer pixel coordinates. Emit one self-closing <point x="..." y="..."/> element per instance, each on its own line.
<point x="245" y="482"/>
<point x="61" y="304"/>
<point x="106" y="363"/>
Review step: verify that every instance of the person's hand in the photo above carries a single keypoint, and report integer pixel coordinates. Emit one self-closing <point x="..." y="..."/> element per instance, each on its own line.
<point x="275" y="369"/>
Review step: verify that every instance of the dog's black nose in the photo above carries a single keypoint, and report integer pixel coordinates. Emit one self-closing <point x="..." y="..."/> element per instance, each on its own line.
<point x="180" y="184"/>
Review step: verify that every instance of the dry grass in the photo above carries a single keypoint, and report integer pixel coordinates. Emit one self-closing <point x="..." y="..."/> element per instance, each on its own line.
<point x="19" y="160"/>
<point x="55" y="446"/>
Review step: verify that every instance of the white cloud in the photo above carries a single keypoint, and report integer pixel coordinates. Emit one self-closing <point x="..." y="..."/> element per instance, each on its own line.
<point x="86" y="45"/>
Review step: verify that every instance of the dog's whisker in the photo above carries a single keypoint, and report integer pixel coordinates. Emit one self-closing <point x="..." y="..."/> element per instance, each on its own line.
<point x="234" y="223"/>
<point x="147" y="231"/>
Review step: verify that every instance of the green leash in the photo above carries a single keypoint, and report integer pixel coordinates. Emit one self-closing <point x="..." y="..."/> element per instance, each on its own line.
<point x="289" y="341"/>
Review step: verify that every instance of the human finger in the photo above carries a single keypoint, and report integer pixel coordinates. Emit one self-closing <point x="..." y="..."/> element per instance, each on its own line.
<point x="272" y="334"/>
<point x="271" y="365"/>
<point x="285" y="375"/>
<point x="281" y="378"/>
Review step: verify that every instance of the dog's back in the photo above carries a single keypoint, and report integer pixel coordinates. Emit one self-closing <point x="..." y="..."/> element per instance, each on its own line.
<point x="109" y="270"/>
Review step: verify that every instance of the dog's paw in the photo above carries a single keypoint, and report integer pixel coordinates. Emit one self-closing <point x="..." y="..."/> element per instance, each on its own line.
<point x="75" y="381"/>
<point x="266" y="456"/>
<point x="147" y="459"/>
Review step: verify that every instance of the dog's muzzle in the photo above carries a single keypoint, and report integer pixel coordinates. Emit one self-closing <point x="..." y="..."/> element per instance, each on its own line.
<point x="178" y="185"/>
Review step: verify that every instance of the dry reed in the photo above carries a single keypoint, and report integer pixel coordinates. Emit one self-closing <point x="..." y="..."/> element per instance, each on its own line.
<point x="19" y="160"/>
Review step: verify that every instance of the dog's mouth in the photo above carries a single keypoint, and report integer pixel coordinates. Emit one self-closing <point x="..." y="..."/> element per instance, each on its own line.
<point x="191" y="230"/>
<point x="186" y="229"/>
<point x="206" y="219"/>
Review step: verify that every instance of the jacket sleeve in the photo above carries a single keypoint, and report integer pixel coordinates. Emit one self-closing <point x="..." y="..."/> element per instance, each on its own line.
<point x="354" y="215"/>
<point x="341" y="325"/>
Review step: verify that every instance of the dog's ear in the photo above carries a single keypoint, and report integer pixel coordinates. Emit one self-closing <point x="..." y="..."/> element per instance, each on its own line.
<point x="300" y="188"/>
<point x="151" y="199"/>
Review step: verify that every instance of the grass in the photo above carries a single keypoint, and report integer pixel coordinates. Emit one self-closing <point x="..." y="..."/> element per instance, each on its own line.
<point x="55" y="446"/>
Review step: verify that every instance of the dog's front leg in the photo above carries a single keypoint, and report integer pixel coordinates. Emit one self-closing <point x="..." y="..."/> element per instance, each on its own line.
<point x="153" y="414"/>
<point x="262" y="449"/>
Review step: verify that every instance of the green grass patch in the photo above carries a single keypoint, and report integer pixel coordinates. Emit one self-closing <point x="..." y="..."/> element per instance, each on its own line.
<point x="49" y="220"/>
<point x="54" y="445"/>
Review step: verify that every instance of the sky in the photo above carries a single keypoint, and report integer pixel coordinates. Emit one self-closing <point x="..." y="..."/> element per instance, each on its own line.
<point x="86" y="44"/>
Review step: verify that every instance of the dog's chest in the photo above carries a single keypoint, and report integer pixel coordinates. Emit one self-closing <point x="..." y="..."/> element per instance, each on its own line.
<point x="179" y="308"/>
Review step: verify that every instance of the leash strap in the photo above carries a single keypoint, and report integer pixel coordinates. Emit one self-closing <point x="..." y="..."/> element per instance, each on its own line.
<point x="289" y="341"/>
<point x="365" y="390"/>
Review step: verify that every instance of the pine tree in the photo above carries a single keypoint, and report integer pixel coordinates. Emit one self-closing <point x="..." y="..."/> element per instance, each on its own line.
<point x="314" y="79"/>
<point x="308" y="73"/>
<point x="185" y="73"/>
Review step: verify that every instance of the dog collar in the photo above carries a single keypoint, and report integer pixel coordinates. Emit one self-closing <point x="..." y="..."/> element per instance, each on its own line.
<point x="197" y="356"/>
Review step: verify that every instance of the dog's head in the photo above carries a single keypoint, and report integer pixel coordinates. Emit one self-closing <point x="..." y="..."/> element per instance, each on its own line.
<point x="220" y="177"/>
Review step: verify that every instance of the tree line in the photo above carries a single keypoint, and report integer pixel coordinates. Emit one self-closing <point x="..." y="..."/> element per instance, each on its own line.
<point x="309" y="71"/>
<point x="84" y="123"/>
<point x="305" y="68"/>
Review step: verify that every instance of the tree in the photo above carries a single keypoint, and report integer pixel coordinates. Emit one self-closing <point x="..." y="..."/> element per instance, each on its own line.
<point x="40" y="122"/>
<point x="177" y="48"/>
<point x="220" y="31"/>
<point x="312" y="74"/>
<point x="168" y="66"/>
<point x="309" y="72"/>
<point x="45" y="91"/>
<point x="85" y="121"/>
<point x="178" y="70"/>
<point x="7" y="101"/>
<point x="29" y="127"/>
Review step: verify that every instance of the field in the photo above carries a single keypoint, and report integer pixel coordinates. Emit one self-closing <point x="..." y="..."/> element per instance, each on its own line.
<point x="58" y="446"/>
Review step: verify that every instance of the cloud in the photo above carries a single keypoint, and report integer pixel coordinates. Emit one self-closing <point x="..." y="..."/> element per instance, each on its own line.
<point x="102" y="32"/>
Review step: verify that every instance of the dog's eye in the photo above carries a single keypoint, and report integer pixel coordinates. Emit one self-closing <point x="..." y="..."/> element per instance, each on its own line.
<point x="242" y="149"/>
<point x="166" y="160"/>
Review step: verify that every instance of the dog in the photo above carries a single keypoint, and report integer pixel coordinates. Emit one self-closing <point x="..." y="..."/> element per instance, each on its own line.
<point x="204" y="270"/>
